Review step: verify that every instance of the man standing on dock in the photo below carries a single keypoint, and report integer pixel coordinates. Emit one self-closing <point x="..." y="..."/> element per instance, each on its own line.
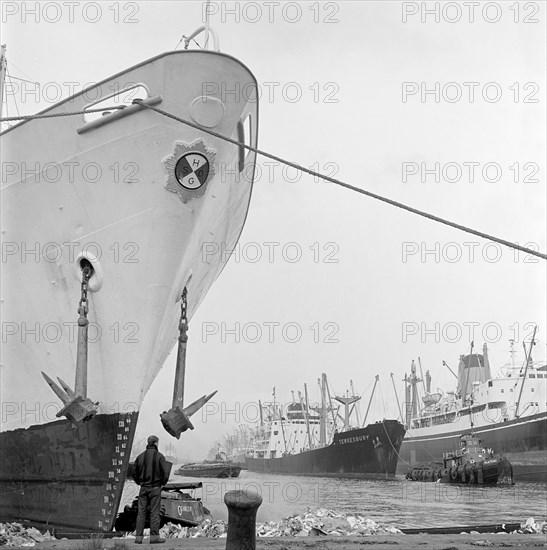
<point x="151" y="473"/>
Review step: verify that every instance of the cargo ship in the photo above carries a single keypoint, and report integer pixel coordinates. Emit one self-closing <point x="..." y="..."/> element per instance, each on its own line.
<point x="306" y="440"/>
<point x="110" y="210"/>
<point x="507" y="412"/>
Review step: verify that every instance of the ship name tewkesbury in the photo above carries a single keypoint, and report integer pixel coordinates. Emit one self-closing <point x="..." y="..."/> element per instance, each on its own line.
<point x="353" y="439"/>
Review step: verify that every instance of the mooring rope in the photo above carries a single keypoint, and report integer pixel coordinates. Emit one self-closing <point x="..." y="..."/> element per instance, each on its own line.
<point x="349" y="186"/>
<point x="305" y="170"/>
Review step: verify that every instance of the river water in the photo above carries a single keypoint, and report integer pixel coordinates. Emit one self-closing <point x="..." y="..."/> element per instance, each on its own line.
<point x="396" y="502"/>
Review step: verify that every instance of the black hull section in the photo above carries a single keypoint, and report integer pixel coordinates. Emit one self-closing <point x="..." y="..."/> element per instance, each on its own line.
<point x="219" y="472"/>
<point x="365" y="452"/>
<point x="469" y="475"/>
<point x="66" y="478"/>
<point x="523" y="442"/>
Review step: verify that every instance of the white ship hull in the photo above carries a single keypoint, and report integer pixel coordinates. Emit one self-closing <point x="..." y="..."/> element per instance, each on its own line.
<point x="73" y="189"/>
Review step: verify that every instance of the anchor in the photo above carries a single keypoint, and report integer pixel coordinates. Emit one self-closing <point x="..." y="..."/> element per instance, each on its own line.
<point x="77" y="406"/>
<point x="177" y="419"/>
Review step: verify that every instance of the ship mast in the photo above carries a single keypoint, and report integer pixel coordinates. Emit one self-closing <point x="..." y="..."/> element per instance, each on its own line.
<point x="322" y="410"/>
<point x="528" y="357"/>
<point x="323" y="424"/>
<point x="512" y="353"/>
<point x="2" y="75"/>
<point x="347" y="401"/>
<point x="283" y="429"/>
<point x="357" y="408"/>
<point x="414" y="385"/>
<point x="397" y="397"/>
<point x="471" y="392"/>
<point x="306" y="414"/>
<point x="408" y="411"/>
<point x="422" y="375"/>
<point x="330" y="404"/>
<point x="376" y="378"/>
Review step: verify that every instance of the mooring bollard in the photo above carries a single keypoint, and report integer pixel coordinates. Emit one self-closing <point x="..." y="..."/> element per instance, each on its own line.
<point x="242" y="507"/>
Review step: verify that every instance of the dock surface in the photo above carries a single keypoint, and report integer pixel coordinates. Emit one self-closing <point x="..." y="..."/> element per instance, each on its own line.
<point x="407" y="542"/>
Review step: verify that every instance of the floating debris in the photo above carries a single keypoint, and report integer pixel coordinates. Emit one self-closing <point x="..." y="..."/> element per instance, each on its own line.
<point x="14" y="534"/>
<point x="531" y="526"/>
<point x="324" y="522"/>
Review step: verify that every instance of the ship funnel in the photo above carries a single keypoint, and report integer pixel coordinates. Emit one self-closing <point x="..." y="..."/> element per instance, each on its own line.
<point x="474" y="367"/>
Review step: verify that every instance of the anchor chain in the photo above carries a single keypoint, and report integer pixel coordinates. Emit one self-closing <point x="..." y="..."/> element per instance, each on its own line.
<point x="180" y="372"/>
<point x="83" y="325"/>
<point x="83" y="308"/>
<point x="183" y="321"/>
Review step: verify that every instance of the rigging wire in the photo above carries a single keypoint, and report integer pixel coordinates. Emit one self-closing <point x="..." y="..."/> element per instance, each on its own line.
<point x="22" y="79"/>
<point x="8" y="74"/>
<point x="308" y="171"/>
<point x="182" y="38"/>
<point x="382" y="398"/>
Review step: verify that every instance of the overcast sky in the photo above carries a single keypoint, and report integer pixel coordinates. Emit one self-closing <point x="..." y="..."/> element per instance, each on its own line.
<point x="374" y="94"/>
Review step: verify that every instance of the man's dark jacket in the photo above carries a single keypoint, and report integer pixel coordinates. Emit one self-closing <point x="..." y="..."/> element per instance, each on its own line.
<point x="151" y="468"/>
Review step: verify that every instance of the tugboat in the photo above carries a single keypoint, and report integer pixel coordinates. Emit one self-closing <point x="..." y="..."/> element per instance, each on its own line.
<point x="471" y="464"/>
<point x="214" y="469"/>
<point x="220" y="468"/>
<point x="176" y="507"/>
